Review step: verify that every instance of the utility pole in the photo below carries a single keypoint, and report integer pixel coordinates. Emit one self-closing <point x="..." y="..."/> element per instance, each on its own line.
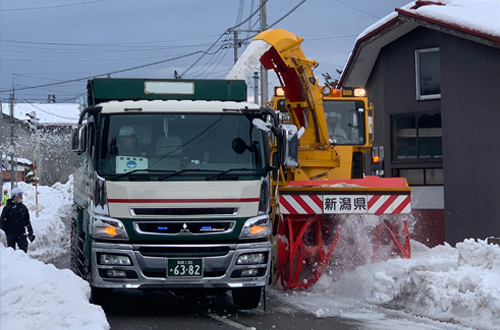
<point x="235" y="45"/>
<point x="12" y="162"/>
<point x="256" y="87"/>
<point x="263" y="71"/>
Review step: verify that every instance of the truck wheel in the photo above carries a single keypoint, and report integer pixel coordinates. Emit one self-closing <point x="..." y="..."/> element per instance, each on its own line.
<point x="100" y="296"/>
<point x="246" y="298"/>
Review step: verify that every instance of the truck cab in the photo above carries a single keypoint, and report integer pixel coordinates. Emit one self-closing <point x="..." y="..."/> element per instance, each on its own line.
<point x="172" y="188"/>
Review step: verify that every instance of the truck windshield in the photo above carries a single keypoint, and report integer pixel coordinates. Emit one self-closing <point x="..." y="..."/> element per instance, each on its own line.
<point x="181" y="146"/>
<point x="345" y="121"/>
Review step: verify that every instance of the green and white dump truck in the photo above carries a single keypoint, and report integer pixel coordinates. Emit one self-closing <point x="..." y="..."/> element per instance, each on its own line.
<point x="188" y="207"/>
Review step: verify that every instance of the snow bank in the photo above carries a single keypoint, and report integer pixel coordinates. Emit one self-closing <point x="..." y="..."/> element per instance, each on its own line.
<point x="454" y="285"/>
<point x="35" y="295"/>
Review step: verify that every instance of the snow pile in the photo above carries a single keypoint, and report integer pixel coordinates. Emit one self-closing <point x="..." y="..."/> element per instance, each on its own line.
<point x="35" y="295"/>
<point x="455" y="285"/>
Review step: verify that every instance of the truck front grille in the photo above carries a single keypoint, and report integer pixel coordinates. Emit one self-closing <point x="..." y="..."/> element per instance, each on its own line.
<point x="183" y="227"/>
<point x="184" y="252"/>
<point x="174" y="211"/>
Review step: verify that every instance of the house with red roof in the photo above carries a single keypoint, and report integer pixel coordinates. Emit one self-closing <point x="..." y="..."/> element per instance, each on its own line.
<point x="432" y="71"/>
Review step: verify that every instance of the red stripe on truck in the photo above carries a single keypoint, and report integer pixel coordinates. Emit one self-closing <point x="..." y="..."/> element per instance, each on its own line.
<point x="207" y="200"/>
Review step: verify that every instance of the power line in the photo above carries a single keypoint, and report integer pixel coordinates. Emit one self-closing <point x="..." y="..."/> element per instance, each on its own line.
<point x="332" y="37"/>
<point x="53" y="6"/>
<point x="225" y="32"/>
<point x="104" y="74"/>
<point x="357" y="9"/>
<point x="118" y="44"/>
<point x="287" y="14"/>
<point x="202" y="55"/>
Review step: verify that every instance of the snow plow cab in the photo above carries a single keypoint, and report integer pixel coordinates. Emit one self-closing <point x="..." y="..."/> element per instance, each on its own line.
<point x="327" y="214"/>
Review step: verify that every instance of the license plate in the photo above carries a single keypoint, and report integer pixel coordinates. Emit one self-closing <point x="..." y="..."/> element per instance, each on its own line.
<point x="184" y="268"/>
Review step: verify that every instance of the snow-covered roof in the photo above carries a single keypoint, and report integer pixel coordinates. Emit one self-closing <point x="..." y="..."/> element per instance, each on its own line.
<point x="19" y="160"/>
<point x="478" y="20"/>
<point x="48" y="113"/>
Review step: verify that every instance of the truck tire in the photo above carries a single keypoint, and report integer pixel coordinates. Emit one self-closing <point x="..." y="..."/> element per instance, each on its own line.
<point x="100" y="296"/>
<point x="246" y="298"/>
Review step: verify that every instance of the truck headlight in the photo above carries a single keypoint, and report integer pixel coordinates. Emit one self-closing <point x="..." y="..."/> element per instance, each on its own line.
<point x="108" y="228"/>
<point x="252" y="259"/>
<point x="257" y="227"/>
<point x="114" y="259"/>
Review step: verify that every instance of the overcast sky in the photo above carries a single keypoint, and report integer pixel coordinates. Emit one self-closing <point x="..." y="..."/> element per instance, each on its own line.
<point x="53" y="46"/>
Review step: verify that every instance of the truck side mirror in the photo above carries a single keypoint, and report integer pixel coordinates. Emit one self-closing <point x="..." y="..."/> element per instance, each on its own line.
<point x="290" y="146"/>
<point x="78" y="139"/>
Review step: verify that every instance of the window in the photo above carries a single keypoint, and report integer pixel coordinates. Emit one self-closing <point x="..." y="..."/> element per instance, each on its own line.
<point x="427" y="74"/>
<point x="417" y="151"/>
<point x="417" y="137"/>
<point x="193" y="143"/>
<point x="345" y="121"/>
<point x="421" y="176"/>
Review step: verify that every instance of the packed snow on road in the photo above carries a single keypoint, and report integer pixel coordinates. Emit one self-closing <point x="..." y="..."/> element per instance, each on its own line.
<point x="438" y="288"/>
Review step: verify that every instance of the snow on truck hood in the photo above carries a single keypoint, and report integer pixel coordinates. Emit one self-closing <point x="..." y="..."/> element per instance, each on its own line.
<point x="174" y="105"/>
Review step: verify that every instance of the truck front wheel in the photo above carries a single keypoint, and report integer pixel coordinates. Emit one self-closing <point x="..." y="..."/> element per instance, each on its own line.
<point x="246" y="298"/>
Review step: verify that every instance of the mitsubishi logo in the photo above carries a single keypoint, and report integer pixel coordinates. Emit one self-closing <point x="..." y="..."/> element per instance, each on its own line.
<point x="184" y="228"/>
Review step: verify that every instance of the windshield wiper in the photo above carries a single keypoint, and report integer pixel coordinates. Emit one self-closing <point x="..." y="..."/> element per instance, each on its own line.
<point x="221" y="173"/>
<point x="163" y="177"/>
<point x="121" y="175"/>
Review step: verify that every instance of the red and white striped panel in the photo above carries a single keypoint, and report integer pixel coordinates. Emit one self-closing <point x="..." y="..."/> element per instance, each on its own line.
<point x="301" y="204"/>
<point x="389" y="204"/>
<point x="313" y="204"/>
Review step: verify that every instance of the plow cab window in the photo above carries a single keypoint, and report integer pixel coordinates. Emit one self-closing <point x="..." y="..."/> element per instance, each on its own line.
<point x="345" y="121"/>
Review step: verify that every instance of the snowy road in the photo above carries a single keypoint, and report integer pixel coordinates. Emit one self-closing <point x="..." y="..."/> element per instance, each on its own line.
<point x="156" y="310"/>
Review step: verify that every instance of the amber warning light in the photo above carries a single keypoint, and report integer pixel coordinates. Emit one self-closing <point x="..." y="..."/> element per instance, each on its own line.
<point x="345" y="92"/>
<point x="110" y="230"/>
<point x="278" y="91"/>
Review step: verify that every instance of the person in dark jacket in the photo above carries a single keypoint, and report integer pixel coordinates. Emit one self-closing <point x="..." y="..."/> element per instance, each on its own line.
<point x="14" y="221"/>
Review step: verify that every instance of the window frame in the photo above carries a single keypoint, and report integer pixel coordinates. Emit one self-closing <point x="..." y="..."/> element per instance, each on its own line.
<point x="418" y="158"/>
<point x="426" y="177"/>
<point x="417" y="75"/>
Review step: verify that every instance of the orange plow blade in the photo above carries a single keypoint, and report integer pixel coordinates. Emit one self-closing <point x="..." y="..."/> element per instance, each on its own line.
<point x="336" y="225"/>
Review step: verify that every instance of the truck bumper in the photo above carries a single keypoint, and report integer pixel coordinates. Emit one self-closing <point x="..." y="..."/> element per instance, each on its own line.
<point x="148" y="266"/>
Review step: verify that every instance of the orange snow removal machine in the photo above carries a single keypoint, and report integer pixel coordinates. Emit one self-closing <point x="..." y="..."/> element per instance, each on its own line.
<point x="328" y="216"/>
